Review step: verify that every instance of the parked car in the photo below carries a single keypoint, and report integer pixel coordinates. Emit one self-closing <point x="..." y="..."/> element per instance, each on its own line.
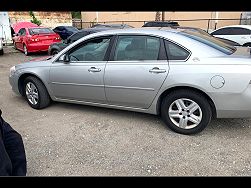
<point x="186" y="77"/>
<point x="35" y="39"/>
<point x="65" y="31"/>
<point x="237" y="33"/>
<point x="57" y="47"/>
<point x="116" y="26"/>
<point x="161" y="24"/>
<point x="203" y="32"/>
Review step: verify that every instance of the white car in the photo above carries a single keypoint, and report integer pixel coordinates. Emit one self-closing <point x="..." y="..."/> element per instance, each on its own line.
<point x="237" y="33"/>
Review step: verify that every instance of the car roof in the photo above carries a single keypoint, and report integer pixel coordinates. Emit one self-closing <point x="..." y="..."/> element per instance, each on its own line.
<point x="240" y="26"/>
<point x="144" y="30"/>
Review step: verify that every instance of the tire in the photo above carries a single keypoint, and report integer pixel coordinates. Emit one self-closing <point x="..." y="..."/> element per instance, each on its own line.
<point x="180" y="121"/>
<point x="54" y="52"/>
<point x="1" y="52"/>
<point x="25" y="50"/>
<point x="15" y="46"/>
<point x="38" y="89"/>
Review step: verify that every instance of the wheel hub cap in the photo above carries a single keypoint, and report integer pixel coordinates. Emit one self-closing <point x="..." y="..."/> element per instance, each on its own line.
<point x="31" y="93"/>
<point x="185" y="113"/>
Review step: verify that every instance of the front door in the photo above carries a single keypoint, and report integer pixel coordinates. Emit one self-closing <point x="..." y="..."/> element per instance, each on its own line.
<point x="81" y="78"/>
<point x="136" y="72"/>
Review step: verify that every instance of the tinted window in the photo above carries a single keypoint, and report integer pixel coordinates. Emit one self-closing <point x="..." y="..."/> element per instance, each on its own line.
<point x="137" y="48"/>
<point x="210" y="41"/>
<point x="223" y="31"/>
<point x="240" y="31"/>
<point x="77" y="36"/>
<point x="175" y="52"/>
<point x="93" y="50"/>
<point x="22" y="32"/>
<point x="35" y="31"/>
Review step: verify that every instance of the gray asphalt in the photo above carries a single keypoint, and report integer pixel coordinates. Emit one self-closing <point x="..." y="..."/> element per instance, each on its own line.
<point x="75" y="140"/>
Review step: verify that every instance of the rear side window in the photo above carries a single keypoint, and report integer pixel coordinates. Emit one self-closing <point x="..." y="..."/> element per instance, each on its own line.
<point x="136" y="48"/>
<point x="175" y="52"/>
<point x="223" y="31"/>
<point x="232" y="31"/>
<point x="240" y="31"/>
<point x="22" y="32"/>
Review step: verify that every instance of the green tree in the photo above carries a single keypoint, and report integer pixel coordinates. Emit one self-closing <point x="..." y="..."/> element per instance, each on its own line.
<point x="34" y="19"/>
<point x="76" y="15"/>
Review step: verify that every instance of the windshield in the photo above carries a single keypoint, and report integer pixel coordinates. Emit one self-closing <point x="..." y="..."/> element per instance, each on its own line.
<point x="35" y="31"/>
<point x="210" y="41"/>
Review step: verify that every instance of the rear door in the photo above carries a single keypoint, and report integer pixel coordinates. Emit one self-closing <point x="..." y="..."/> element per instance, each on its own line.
<point x="136" y="70"/>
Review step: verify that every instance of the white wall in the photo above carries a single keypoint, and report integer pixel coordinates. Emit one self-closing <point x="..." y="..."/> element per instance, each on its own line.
<point x="5" y="31"/>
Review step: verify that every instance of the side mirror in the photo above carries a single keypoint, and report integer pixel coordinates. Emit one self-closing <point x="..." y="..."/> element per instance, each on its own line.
<point x="65" y="58"/>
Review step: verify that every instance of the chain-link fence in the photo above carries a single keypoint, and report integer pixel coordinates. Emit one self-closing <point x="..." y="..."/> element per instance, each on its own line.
<point x="206" y="24"/>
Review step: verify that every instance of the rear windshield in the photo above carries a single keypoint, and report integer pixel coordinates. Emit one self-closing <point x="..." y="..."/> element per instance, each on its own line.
<point x="73" y="29"/>
<point x="210" y="41"/>
<point x="34" y="31"/>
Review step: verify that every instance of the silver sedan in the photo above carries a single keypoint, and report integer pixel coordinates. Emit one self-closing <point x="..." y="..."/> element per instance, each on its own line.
<point x="186" y="77"/>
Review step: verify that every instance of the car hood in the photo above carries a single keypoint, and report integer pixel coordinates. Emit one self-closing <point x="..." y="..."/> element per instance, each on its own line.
<point x="38" y="62"/>
<point x="44" y="58"/>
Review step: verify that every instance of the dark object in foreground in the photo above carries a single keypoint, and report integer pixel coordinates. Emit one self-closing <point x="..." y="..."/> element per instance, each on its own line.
<point x="12" y="152"/>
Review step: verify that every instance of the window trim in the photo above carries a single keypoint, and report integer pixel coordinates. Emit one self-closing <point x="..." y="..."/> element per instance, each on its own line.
<point x="161" y="53"/>
<point x="107" y="53"/>
<point x="184" y="48"/>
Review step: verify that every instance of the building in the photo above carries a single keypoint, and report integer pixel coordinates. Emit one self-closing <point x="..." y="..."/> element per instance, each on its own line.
<point x="193" y="19"/>
<point x="48" y="19"/>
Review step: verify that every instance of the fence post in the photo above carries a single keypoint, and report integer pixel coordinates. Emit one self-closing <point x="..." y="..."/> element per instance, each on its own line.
<point x="208" y="22"/>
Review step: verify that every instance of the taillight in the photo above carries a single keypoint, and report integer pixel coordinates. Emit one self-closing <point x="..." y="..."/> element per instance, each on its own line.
<point x="34" y="40"/>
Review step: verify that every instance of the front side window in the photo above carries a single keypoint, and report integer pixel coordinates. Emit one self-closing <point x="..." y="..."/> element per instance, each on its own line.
<point x="93" y="50"/>
<point x="175" y="52"/>
<point x="135" y="48"/>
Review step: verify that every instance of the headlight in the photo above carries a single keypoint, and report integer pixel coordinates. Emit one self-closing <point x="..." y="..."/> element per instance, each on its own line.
<point x="12" y="70"/>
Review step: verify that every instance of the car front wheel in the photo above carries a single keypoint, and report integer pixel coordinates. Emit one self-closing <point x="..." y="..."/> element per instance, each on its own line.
<point x="36" y="93"/>
<point x="186" y="111"/>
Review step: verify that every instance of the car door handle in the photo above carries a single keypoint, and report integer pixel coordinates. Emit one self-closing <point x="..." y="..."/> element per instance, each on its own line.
<point x="94" y="69"/>
<point x="157" y="70"/>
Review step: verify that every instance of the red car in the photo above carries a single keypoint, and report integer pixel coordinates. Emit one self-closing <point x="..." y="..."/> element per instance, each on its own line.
<point x="35" y="39"/>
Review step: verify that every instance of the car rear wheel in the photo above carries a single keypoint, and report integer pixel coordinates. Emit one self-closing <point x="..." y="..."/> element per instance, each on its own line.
<point x="26" y="50"/>
<point x="186" y="111"/>
<point x="36" y="93"/>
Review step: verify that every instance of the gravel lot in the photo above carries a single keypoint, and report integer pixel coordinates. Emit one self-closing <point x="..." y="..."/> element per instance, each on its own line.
<point x="74" y="140"/>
